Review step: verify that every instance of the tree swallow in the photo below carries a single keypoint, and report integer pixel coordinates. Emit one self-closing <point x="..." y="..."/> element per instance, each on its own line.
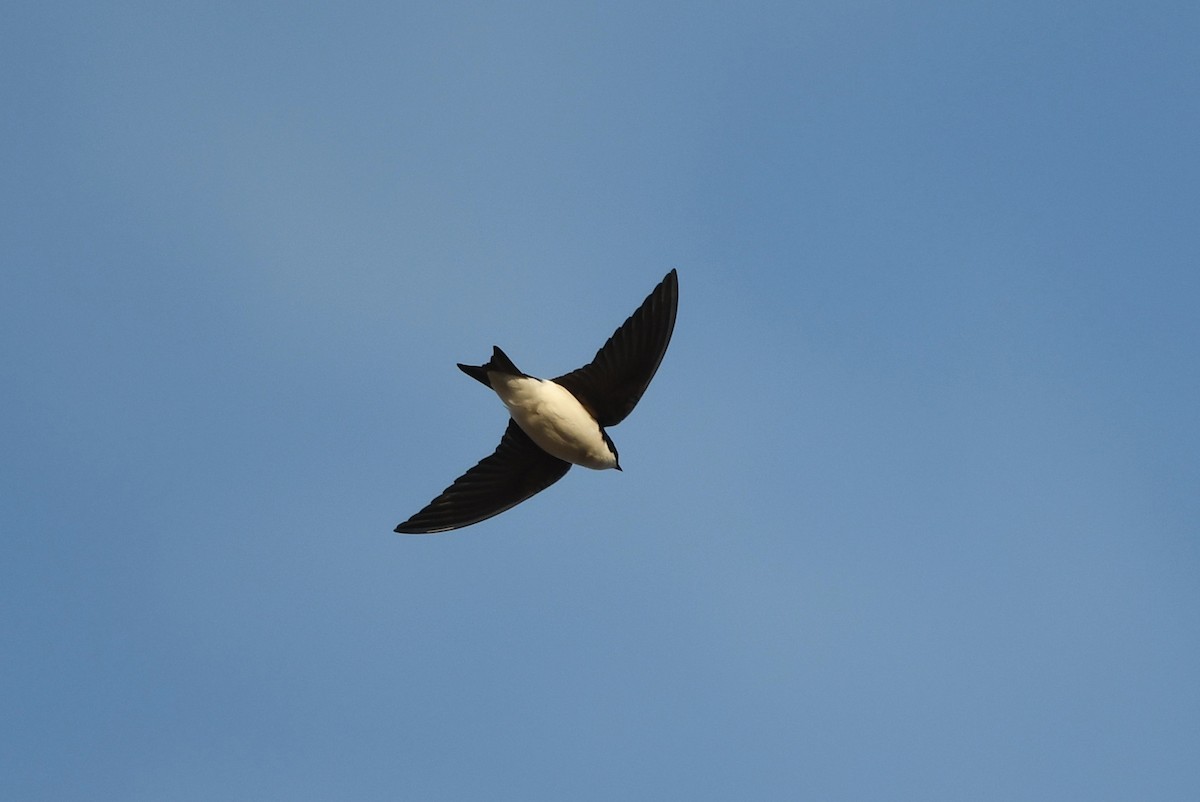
<point x="555" y="423"/>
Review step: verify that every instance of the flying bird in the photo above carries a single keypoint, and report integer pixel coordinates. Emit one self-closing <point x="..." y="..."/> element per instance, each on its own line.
<point x="556" y="423"/>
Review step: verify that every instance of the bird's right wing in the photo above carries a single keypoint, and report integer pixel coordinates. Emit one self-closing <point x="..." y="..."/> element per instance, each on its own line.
<point x="516" y="470"/>
<point x="613" y="382"/>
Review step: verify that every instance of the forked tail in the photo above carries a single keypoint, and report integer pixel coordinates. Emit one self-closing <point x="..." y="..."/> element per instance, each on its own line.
<point x="499" y="363"/>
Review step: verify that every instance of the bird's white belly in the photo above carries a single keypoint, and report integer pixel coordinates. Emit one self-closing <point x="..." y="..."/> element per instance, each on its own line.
<point x="555" y="420"/>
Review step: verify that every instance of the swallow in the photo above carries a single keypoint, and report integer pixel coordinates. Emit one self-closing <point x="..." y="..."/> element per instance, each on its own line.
<point x="556" y="423"/>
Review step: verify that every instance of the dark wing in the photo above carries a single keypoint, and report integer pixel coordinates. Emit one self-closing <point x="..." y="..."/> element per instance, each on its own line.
<point x="515" y="471"/>
<point x="613" y="382"/>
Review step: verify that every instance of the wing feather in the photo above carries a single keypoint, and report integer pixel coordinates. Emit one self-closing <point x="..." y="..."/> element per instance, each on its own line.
<point x="613" y="382"/>
<point x="516" y="470"/>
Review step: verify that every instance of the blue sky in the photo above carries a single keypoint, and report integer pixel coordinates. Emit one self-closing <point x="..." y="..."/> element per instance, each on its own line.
<point x="910" y="512"/>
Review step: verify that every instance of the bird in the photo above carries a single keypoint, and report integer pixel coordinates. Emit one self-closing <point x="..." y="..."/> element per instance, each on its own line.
<point x="556" y="423"/>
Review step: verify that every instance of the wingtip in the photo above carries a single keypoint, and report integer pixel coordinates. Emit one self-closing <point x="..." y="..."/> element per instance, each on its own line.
<point x="669" y="286"/>
<point x="402" y="529"/>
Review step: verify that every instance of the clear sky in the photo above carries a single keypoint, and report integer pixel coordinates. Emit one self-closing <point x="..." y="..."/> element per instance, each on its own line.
<point x="910" y="512"/>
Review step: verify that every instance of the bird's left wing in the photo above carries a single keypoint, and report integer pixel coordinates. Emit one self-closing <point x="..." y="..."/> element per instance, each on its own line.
<point x="516" y="470"/>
